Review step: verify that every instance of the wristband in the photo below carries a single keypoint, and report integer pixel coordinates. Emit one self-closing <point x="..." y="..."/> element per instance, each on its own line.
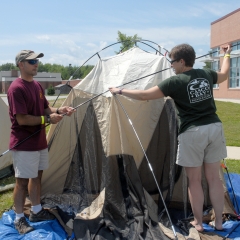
<point x="227" y="55"/>
<point x="43" y="120"/>
<point x="57" y="111"/>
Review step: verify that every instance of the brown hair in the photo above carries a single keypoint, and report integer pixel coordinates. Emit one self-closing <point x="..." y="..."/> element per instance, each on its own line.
<point x="185" y="52"/>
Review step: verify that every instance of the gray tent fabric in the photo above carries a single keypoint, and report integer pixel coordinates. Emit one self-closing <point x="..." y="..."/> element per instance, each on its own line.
<point x="98" y="177"/>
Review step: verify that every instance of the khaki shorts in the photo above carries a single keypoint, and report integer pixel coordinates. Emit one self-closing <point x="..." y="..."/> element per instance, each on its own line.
<point x="27" y="163"/>
<point x="201" y="144"/>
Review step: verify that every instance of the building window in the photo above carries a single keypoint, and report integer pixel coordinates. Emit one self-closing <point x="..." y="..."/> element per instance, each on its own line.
<point x="234" y="80"/>
<point x="216" y="64"/>
<point x="215" y="52"/>
<point x="236" y="46"/>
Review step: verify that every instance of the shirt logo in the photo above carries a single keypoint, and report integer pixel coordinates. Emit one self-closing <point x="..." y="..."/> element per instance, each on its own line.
<point x="40" y="94"/>
<point x="199" y="90"/>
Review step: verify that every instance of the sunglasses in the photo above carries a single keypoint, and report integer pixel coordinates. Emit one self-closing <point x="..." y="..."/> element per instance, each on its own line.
<point x="174" y="60"/>
<point x="32" y="61"/>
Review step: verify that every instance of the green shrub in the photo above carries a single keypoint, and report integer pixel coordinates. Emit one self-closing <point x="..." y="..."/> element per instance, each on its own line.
<point x="50" y="91"/>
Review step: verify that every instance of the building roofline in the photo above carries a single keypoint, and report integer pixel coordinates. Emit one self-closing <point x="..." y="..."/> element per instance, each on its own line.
<point x="231" y="13"/>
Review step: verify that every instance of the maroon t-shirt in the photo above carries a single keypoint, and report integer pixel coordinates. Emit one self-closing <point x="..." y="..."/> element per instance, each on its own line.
<point x="26" y="98"/>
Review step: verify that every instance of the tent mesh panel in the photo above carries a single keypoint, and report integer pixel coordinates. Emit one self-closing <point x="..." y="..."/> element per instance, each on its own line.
<point x="127" y="211"/>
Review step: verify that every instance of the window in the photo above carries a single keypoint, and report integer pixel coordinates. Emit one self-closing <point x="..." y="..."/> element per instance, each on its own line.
<point x="215" y="52"/>
<point x="234" y="73"/>
<point x="215" y="65"/>
<point x="236" y="45"/>
<point x="234" y="78"/>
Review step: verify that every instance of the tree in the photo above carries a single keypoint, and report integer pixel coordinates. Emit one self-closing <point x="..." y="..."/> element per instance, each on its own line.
<point x="127" y="41"/>
<point x="50" y="90"/>
<point x="66" y="71"/>
<point x="8" y="67"/>
<point x="207" y="65"/>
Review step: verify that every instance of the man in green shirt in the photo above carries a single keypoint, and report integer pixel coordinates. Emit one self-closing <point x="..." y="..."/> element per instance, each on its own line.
<point x="201" y="138"/>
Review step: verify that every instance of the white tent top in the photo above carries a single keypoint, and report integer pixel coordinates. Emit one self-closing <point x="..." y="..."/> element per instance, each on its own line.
<point x="123" y="68"/>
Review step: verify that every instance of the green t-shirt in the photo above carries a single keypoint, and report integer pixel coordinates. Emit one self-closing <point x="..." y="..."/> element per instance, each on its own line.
<point x="192" y="92"/>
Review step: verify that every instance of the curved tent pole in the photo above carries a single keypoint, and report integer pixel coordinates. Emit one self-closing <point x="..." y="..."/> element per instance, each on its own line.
<point x="212" y="53"/>
<point x="97" y="53"/>
<point x="141" y="41"/>
<point x="96" y="95"/>
<point x="150" y="166"/>
<point x="80" y="106"/>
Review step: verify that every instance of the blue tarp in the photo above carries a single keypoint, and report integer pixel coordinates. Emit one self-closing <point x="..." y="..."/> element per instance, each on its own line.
<point x="52" y="230"/>
<point x="48" y="230"/>
<point x="234" y="190"/>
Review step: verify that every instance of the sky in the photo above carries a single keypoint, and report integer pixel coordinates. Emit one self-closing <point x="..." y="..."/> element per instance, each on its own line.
<point x="71" y="31"/>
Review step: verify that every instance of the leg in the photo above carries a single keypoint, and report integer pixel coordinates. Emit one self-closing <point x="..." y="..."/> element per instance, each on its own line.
<point x="196" y="196"/>
<point x="216" y="192"/>
<point x="34" y="189"/>
<point x="19" y="194"/>
<point x="35" y="193"/>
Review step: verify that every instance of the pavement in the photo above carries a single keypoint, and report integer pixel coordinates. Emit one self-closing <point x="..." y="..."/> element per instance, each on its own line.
<point x="4" y="97"/>
<point x="228" y="100"/>
<point x="232" y="152"/>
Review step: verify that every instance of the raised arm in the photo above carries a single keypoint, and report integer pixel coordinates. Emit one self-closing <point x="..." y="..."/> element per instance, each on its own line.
<point x="223" y="74"/>
<point x="149" y="94"/>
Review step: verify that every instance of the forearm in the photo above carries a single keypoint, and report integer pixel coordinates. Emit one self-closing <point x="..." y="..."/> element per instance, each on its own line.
<point x="149" y="94"/>
<point x="225" y="66"/>
<point x="53" y="117"/>
<point x="50" y="110"/>
<point x="224" y="72"/>
<point x="135" y="94"/>
<point x="29" y="120"/>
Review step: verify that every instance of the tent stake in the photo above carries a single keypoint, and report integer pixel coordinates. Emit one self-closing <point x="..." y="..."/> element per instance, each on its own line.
<point x="150" y="166"/>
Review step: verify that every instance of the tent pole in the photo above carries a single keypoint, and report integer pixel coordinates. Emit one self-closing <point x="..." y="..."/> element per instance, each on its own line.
<point x="150" y="166"/>
<point x="98" y="95"/>
<point x="224" y="165"/>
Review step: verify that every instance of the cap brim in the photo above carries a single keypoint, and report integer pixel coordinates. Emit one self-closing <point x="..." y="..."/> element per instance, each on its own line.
<point x="35" y="55"/>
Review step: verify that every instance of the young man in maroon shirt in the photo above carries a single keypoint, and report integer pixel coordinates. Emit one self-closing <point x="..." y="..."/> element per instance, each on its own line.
<point x="29" y="111"/>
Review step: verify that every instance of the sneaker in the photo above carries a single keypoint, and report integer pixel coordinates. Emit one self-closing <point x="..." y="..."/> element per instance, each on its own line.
<point x="43" y="215"/>
<point x="22" y="226"/>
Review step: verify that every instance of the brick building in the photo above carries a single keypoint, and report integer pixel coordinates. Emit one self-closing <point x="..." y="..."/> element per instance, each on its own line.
<point x="227" y="30"/>
<point x="44" y="78"/>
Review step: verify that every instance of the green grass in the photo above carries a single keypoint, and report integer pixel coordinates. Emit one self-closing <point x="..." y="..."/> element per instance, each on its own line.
<point x="233" y="166"/>
<point x="229" y="114"/>
<point x="6" y="201"/>
<point x="6" y="198"/>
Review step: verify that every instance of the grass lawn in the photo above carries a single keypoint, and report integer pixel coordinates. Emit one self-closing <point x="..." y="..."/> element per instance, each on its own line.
<point x="228" y="112"/>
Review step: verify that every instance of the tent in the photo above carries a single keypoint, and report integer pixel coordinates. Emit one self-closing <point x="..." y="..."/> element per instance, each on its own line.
<point x="5" y="128"/>
<point x="99" y="177"/>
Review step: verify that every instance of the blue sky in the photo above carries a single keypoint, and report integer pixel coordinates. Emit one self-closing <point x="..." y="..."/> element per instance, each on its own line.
<point x="71" y="31"/>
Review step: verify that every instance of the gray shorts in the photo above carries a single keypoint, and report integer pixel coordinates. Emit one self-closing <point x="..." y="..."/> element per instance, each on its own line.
<point x="201" y="144"/>
<point x="27" y="163"/>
